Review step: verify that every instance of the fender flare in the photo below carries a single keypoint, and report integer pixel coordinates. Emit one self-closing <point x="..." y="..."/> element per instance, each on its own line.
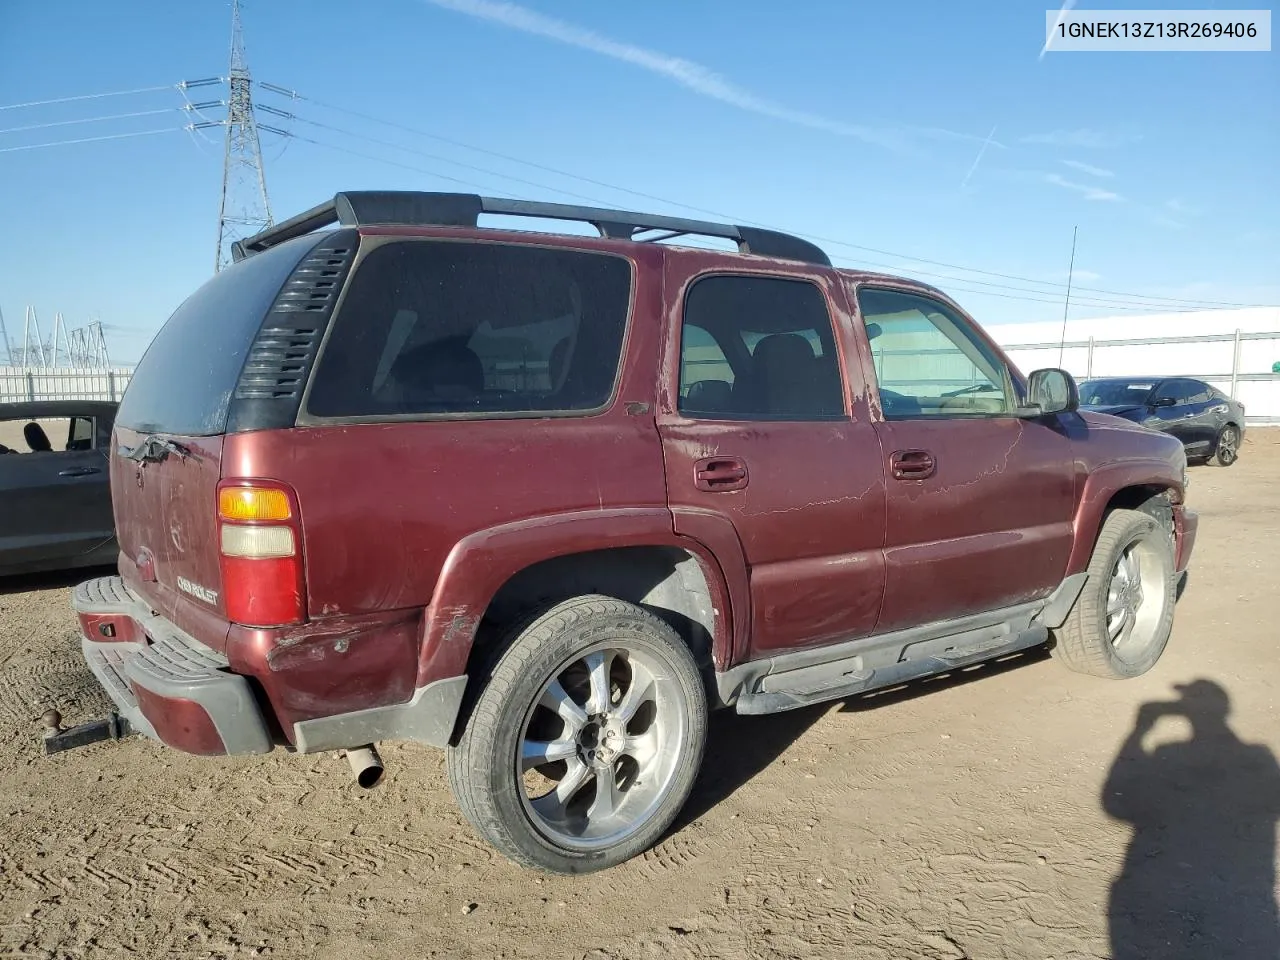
<point x="1100" y="486"/>
<point x="479" y="565"/>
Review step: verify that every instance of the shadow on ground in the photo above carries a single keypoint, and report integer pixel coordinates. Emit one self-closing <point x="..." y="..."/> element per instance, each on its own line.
<point x="1199" y="875"/>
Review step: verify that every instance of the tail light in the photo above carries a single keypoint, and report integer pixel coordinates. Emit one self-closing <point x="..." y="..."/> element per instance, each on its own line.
<point x="260" y="545"/>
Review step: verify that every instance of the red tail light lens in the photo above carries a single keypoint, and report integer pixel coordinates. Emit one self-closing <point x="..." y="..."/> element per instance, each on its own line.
<point x="260" y="544"/>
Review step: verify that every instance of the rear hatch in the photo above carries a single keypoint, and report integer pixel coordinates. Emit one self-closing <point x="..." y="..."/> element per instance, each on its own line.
<point x="228" y="348"/>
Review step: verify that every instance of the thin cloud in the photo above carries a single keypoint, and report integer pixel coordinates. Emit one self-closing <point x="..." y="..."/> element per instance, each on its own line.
<point x="1082" y="138"/>
<point x="1181" y="208"/>
<point x="1087" y="191"/>
<point x="1089" y="168"/>
<point x="1062" y="15"/>
<point x="689" y="74"/>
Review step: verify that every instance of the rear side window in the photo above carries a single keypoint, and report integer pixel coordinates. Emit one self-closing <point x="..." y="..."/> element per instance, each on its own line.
<point x="447" y="328"/>
<point x="758" y="348"/>
<point x="187" y="376"/>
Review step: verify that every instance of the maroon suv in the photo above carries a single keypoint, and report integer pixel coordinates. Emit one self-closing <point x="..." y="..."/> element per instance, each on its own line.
<point x="545" y="499"/>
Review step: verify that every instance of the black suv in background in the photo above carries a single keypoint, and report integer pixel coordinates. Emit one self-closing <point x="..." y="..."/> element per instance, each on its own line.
<point x="1208" y="422"/>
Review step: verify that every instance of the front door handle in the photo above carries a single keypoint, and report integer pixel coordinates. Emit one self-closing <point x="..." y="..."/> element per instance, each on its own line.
<point x="913" y="465"/>
<point x="720" y="474"/>
<point x="78" y="471"/>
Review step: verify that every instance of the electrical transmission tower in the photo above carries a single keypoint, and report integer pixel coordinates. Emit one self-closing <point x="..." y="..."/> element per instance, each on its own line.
<point x="245" y="208"/>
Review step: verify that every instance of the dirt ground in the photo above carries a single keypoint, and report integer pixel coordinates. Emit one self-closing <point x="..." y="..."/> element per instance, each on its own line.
<point x="957" y="819"/>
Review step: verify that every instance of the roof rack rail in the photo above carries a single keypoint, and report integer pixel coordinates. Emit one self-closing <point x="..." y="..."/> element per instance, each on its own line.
<point x="413" y="208"/>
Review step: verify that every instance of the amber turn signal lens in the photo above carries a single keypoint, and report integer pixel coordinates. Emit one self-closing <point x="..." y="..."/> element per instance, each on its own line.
<point x="253" y="503"/>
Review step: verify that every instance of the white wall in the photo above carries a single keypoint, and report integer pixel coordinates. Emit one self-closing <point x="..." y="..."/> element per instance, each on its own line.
<point x="1256" y="387"/>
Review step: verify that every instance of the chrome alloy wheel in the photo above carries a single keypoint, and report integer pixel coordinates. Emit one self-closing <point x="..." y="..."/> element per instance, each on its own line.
<point x="1135" y="597"/>
<point x="599" y="748"/>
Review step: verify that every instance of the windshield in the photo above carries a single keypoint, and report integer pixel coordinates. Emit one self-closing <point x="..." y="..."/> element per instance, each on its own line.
<point x="1109" y="393"/>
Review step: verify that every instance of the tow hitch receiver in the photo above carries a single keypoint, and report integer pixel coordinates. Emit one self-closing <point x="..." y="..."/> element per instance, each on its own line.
<point x="57" y="738"/>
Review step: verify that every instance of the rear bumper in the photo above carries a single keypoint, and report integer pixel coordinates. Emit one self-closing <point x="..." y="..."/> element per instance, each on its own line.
<point x="173" y="688"/>
<point x="169" y="686"/>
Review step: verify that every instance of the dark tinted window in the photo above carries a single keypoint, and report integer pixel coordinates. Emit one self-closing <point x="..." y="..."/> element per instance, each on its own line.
<point x="929" y="362"/>
<point x="185" y="380"/>
<point x="1200" y="392"/>
<point x="1181" y="391"/>
<point x="758" y="348"/>
<point x="1112" y="393"/>
<point x="437" y="327"/>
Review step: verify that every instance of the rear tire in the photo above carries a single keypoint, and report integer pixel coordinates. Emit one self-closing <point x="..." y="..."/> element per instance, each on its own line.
<point x="1121" y="621"/>
<point x="1227" y="449"/>
<point x="584" y="743"/>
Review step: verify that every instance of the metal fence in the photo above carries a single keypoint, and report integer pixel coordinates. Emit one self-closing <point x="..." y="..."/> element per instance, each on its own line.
<point x="1239" y="364"/>
<point x="18" y="384"/>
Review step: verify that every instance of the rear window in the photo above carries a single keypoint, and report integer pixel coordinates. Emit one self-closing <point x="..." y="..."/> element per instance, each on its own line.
<point x="187" y="376"/>
<point x="454" y="328"/>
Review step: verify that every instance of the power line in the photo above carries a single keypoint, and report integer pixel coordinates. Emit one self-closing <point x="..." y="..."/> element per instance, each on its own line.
<point x="1149" y="302"/>
<point x="86" y="96"/>
<point x="370" y="156"/>
<point x="1095" y="302"/>
<point x="429" y="156"/>
<point x="113" y="136"/>
<point x="68" y="123"/>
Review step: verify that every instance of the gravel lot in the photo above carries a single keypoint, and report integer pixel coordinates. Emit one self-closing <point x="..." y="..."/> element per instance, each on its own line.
<point x="959" y="818"/>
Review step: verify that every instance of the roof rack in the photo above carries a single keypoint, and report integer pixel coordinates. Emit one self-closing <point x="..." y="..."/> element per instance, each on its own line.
<point x="412" y="208"/>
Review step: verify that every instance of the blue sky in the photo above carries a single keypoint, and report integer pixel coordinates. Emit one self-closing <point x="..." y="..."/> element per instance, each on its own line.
<point x="862" y="123"/>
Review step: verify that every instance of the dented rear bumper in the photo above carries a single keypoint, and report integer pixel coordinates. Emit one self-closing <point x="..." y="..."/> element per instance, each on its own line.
<point x="174" y="689"/>
<point x="166" y="684"/>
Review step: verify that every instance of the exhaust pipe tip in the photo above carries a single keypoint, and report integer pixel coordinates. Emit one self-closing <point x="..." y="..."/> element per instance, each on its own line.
<point x="366" y="765"/>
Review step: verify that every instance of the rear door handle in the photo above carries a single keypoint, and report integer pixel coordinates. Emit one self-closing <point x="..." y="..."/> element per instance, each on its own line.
<point x="78" y="471"/>
<point x="719" y="474"/>
<point x="913" y="465"/>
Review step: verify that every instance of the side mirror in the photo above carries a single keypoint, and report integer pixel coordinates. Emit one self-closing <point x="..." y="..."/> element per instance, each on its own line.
<point x="1164" y="402"/>
<point x="874" y="330"/>
<point x="1051" y="391"/>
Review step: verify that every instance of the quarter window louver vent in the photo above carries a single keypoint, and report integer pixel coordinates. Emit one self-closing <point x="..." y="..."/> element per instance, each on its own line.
<point x="285" y="348"/>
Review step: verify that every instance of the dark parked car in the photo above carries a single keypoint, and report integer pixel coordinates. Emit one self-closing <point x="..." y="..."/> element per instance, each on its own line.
<point x="55" y="503"/>
<point x="1208" y="422"/>
<point x="544" y="500"/>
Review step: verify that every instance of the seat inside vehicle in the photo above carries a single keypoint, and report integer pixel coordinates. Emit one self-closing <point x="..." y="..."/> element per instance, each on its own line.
<point x="786" y="379"/>
<point x="37" y="439"/>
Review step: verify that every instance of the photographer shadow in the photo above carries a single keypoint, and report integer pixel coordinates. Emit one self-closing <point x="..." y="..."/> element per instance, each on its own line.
<point x="1199" y="877"/>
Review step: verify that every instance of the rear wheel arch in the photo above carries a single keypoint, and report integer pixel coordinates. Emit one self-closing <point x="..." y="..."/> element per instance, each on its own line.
<point x="679" y="585"/>
<point x="672" y="582"/>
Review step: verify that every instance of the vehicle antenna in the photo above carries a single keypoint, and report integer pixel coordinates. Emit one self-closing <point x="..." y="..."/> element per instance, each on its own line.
<point x="1066" y="306"/>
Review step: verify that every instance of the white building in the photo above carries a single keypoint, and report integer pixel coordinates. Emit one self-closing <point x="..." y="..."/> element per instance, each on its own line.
<point x="1236" y="350"/>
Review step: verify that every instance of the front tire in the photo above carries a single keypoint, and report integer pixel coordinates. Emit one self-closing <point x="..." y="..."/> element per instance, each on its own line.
<point x="585" y="741"/>
<point x="1121" y="621"/>
<point x="1227" y="450"/>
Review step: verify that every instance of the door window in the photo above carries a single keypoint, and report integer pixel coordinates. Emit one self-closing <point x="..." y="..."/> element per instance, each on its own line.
<point x="81" y="435"/>
<point x="39" y="435"/>
<point x="758" y="348"/>
<point x="1200" y="392"/>
<point x="1180" y="391"/>
<point x="928" y="361"/>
